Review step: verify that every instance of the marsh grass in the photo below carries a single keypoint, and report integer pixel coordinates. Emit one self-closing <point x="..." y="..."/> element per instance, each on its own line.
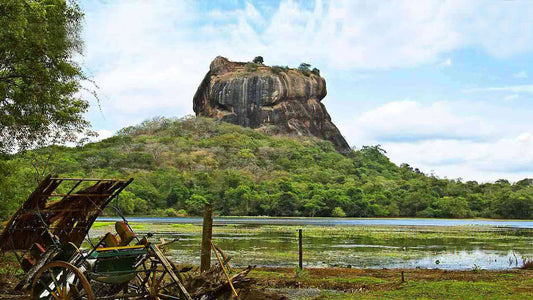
<point x="346" y="246"/>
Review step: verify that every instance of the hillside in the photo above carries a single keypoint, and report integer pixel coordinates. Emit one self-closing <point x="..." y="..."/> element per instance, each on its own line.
<point x="179" y="164"/>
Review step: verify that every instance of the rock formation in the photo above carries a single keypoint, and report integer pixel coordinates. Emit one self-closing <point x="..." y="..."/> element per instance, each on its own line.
<point x="274" y="99"/>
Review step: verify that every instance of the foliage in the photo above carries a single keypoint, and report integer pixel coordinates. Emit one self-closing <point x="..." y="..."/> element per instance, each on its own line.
<point x="338" y="212"/>
<point x="305" y="68"/>
<point x="278" y="69"/>
<point x="39" y="79"/>
<point x="316" y="72"/>
<point x="301" y="274"/>
<point x="184" y="163"/>
<point x="251" y="67"/>
<point x="258" y="60"/>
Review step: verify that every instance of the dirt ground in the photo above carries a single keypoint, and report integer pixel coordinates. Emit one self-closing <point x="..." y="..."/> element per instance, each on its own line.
<point x="345" y="283"/>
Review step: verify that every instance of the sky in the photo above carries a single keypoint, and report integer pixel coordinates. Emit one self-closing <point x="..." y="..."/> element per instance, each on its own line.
<point x="444" y="86"/>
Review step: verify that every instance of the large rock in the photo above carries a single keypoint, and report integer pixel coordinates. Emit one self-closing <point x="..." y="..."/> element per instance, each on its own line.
<point x="273" y="99"/>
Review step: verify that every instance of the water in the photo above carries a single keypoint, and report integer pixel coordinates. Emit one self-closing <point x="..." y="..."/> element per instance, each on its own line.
<point x="358" y="243"/>
<point x="336" y="221"/>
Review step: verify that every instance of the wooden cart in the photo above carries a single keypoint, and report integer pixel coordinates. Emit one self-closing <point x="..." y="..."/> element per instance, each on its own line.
<point x="46" y="234"/>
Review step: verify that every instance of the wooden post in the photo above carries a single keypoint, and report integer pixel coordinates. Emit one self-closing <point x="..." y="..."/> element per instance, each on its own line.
<point x="207" y="233"/>
<point x="300" y="250"/>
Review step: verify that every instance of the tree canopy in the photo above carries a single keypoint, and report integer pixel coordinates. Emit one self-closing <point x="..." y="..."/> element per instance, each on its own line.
<point x="39" y="78"/>
<point x="179" y="165"/>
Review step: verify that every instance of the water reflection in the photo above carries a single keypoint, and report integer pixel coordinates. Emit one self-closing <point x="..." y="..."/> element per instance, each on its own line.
<point x="377" y="246"/>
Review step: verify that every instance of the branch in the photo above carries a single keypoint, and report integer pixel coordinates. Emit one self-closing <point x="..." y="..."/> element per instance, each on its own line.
<point x="6" y="78"/>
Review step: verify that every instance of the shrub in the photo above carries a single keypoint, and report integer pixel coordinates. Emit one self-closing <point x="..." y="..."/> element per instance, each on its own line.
<point x="251" y="67"/>
<point x="301" y="274"/>
<point x="258" y="60"/>
<point x="170" y="212"/>
<point x="316" y="72"/>
<point x="305" y="69"/>
<point x="338" y="212"/>
<point x="278" y="69"/>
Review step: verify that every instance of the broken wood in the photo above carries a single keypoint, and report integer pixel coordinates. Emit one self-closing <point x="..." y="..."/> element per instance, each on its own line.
<point x="207" y="233"/>
<point x="224" y="270"/>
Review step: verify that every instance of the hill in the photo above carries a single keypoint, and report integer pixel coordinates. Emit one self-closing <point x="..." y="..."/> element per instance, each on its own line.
<point x="179" y="164"/>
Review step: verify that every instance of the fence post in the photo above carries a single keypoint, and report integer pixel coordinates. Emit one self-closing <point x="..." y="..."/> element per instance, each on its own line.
<point x="300" y="250"/>
<point x="207" y="233"/>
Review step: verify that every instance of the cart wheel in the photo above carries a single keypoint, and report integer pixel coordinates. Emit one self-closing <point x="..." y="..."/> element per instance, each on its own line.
<point x="61" y="280"/>
<point x="155" y="285"/>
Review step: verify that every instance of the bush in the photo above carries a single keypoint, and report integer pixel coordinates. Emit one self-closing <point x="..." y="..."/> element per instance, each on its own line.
<point x="338" y="212"/>
<point x="301" y="274"/>
<point x="258" y="60"/>
<point x="195" y="205"/>
<point x="251" y="67"/>
<point x="170" y="212"/>
<point x="278" y="69"/>
<point x="305" y="69"/>
<point x="316" y="72"/>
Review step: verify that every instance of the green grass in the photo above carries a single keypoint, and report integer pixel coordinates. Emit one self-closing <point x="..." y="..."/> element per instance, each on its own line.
<point x="337" y="284"/>
<point x="449" y="290"/>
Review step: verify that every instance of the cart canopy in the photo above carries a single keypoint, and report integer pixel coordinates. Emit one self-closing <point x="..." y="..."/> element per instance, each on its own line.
<point x="68" y="215"/>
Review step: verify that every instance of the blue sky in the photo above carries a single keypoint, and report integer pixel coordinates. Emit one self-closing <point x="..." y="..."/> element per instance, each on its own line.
<point x="445" y="86"/>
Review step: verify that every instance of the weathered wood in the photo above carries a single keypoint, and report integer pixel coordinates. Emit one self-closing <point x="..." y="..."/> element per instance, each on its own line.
<point x="169" y="268"/>
<point x="89" y="179"/>
<point x="13" y="297"/>
<point x="207" y="233"/>
<point x="224" y="270"/>
<point x="26" y="281"/>
<point x="300" y="250"/>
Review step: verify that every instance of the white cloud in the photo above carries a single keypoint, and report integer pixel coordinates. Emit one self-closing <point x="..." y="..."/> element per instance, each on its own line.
<point x="103" y="134"/>
<point x="511" y="97"/>
<point x="446" y="63"/>
<point x="412" y="121"/>
<point x="527" y="88"/>
<point x="445" y="138"/>
<point x="510" y="158"/>
<point x="521" y="74"/>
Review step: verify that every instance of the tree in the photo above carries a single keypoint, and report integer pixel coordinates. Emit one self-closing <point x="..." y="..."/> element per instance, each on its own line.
<point x="39" y="79"/>
<point x="305" y="68"/>
<point x="338" y="212"/>
<point x="258" y="60"/>
<point x="195" y="205"/>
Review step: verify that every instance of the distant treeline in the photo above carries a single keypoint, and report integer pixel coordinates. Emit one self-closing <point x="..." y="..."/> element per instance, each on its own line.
<point x="180" y="164"/>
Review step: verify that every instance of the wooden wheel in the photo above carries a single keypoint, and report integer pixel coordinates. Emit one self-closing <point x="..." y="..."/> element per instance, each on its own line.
<point x="155" y="285"/>
<point x="60" y="280"/>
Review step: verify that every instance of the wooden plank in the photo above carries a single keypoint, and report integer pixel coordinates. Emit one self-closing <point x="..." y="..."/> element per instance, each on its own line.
<point x="300" y="250"/>
<point x="28" y="277"/>
<point x="77" y="195"/>
<point x="168" y="267"/>
<point x="224" y="270"/>
<point x="207" y="233"/>
<point x="89" y="179"/>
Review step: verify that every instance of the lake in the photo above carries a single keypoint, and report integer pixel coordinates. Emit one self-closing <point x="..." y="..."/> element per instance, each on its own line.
<point x="348" y="242"/>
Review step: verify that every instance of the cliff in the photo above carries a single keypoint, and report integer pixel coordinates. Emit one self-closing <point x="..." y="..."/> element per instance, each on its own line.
<point x="271" y="99"/>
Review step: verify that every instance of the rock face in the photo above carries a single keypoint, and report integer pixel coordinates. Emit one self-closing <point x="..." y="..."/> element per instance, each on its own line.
<point x="273" y="99"/>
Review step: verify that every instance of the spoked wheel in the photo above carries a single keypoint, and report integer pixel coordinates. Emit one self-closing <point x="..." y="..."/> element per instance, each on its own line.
<point x="155" y="285"/>
<point x="149" y="285"/>
<point x="60" y="280"/>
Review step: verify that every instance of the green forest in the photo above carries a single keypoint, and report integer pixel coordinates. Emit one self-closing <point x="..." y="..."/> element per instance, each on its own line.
<point x="180" y="164"/>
